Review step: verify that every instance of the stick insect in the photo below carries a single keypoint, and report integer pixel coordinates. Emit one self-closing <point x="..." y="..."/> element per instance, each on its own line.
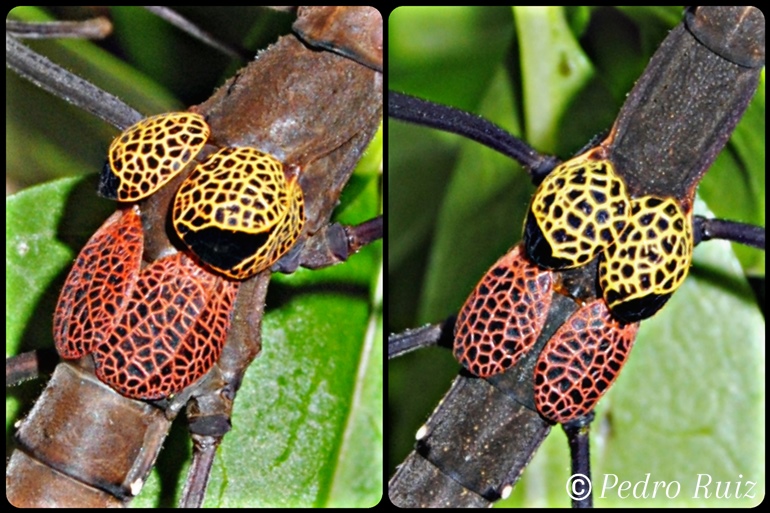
<point x="256" y="443"/>
<point x="482" y="206"/>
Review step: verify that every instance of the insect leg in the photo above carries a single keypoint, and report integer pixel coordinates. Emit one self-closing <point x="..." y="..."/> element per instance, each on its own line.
<point x="747" y="234"/>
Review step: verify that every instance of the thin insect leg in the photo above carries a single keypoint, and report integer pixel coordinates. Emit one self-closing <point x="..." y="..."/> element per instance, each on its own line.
<point x="580" y="450"/>
<point x="362" y="234"/>
<point x="333" y="244"/>
<point x="426" y="113"/>
<point x="204" y="451"/>
<point x="60" y="82"/>
<point x="95" y="28"/>
<point x="441" y="334"/>
<point x="29" y="365"/>
<point x="746" y="234"/>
